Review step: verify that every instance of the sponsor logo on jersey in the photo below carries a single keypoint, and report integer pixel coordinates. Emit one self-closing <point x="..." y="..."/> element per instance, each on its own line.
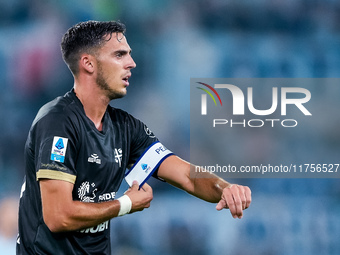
<point x="118" y="156"/>
<point x="86" y="192"/>
<point x="107" y="196"/>
<point x="58" y="151"/>
<point x="94" y="158"/>
<point x="99" y="228"/>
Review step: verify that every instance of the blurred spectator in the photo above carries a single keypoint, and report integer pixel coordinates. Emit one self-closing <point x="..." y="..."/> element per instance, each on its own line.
<point x="8" y="225"/>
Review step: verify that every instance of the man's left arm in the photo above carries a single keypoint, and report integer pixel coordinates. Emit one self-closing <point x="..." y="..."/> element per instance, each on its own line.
<point x="205" y="185"/>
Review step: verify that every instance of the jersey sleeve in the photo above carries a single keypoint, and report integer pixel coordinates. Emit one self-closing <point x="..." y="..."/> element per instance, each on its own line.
<point x="56" y="147"/>
<point x="141" y="139"/>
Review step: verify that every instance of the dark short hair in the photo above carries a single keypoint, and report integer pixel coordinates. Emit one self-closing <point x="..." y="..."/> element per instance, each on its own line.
<point x="85" y="37"/>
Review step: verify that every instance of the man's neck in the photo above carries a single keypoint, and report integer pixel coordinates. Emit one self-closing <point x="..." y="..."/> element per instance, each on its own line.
<point x="94" y="103"/>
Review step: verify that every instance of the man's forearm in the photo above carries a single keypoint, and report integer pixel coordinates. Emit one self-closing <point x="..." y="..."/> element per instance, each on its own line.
<point x="61" y="213"/>
<point x="191" y="179"/>
<point x="78" y="215"/>
<point x="206" y="186"/>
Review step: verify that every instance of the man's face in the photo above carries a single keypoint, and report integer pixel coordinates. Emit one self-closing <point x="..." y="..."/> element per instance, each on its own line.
<point x="114" y="64"/>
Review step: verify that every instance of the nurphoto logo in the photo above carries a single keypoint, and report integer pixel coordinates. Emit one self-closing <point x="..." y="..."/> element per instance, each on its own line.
<point x="265" y="127"/>
<point x="282" y="98"/>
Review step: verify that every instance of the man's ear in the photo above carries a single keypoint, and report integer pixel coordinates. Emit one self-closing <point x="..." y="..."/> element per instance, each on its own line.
<point x="87" y="63"/>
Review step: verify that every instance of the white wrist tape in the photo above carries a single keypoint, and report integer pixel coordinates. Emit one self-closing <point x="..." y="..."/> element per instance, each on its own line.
<point x="125" y="205"/>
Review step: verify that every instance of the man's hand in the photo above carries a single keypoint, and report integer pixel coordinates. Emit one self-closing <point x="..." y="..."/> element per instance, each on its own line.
<point x="235" y="197"/>
<point x="140" y="198"/>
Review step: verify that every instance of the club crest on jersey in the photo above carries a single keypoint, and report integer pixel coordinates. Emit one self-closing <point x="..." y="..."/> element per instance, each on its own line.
<point x="118" y="156"/>
<point x="58" y="151"/>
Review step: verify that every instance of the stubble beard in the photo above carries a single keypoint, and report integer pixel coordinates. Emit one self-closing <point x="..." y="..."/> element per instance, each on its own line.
<point x="104" y="86"/>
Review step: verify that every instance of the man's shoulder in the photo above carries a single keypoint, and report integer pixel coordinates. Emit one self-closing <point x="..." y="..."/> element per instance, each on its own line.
<point x="61" y="107"/>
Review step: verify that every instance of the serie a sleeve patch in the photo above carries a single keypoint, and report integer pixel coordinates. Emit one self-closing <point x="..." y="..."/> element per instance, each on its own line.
<point x="58" y="150"/>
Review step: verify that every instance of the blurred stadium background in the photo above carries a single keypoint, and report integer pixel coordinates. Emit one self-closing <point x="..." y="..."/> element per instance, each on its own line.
<point x="173" y="41"/>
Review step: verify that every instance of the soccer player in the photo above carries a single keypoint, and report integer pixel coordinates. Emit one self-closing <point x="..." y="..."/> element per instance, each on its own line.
<point x="79" y="146"/>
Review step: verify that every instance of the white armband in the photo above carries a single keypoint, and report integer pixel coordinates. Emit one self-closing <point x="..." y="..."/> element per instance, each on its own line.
<point x="147" y="164"/>
<point x="125" y="205"/>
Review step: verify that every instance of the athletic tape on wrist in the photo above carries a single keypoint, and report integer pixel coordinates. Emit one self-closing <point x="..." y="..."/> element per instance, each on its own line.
<point x="147" y="164"/>
<point x="125" y="205"/>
